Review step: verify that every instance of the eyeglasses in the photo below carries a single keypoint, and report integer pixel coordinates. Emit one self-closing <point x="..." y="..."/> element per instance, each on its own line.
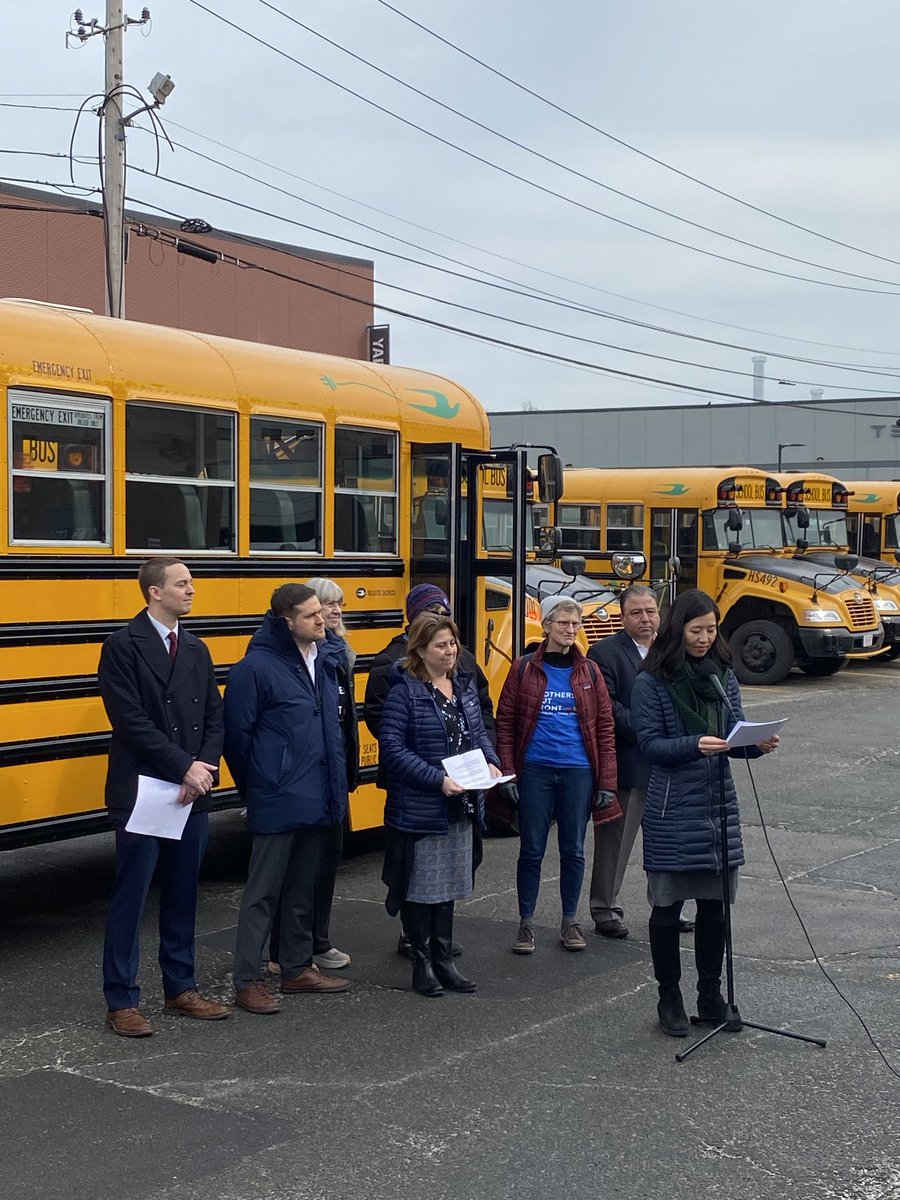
<point x="566" y="624"/>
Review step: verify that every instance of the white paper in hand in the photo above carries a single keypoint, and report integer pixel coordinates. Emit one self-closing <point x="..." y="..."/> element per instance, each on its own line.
<point x="751" y="733"/>
<point x="471" y="771"/>
<point x="156" y="811"/>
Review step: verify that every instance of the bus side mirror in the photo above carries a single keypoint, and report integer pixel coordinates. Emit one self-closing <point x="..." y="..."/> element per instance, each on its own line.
<point x="735" y="548"/>
<point x="573" y="564"/>
<point x="550" y="477"/>
<point x="802" y="545"/>
<point x="628" y="565"/>
<point x="846" y="562"/>
<point x="549" y="542"/>
<point x="735" y="520"/>
<point x="897" y="556"/>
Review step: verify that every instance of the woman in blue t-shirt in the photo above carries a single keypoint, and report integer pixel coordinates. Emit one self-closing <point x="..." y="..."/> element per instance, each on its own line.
<point x="555" y="731"/>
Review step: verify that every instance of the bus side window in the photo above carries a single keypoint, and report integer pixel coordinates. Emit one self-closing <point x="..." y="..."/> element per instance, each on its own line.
<point x="179" y="478"/>
<point x="365" y="491"/>
<point x="58" y="453"/>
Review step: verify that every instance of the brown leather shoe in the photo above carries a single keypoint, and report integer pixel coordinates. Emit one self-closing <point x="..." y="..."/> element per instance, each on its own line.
<point x="312" y="980"/>
<point x="192" y="1004"/>
<point x="128" y="1022"/>
<point x="255" y="999"/>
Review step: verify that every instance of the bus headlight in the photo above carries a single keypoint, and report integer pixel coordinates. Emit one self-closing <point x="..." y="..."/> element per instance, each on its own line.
<point x="884" y="605"/>
<point x="821" y="616"/>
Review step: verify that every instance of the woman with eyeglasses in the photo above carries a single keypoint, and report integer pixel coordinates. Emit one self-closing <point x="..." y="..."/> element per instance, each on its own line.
<point x="674" y="708"/>
<point x="325" y="955"/>
<point x="555" y="732"/>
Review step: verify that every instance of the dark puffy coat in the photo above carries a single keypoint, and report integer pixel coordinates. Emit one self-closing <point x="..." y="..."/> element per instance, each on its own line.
<point x="162" y="716"/>
<point x="620" y="661"/>
<point x="283" y="739"/>
<point x="681" y="814"/>
<point x="520" y="707"/>
<point x="347" y="708"/>
<point x="379" y="684"/>
<point x="412" y="745"/>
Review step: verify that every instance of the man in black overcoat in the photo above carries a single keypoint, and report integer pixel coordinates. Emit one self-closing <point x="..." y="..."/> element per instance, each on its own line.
<point x="619" y="658"/>
<point x="160" y="694"/>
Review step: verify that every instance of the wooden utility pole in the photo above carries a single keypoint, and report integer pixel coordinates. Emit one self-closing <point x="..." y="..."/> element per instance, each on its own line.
<point x="114" y="159"/>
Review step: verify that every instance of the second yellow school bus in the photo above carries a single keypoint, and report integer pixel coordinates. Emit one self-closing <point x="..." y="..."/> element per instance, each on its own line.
<point x="720" y="529"/>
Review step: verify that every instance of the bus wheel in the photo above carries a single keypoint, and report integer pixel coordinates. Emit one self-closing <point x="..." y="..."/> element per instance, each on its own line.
<point x="892" y="652"/>
<point x="763" y="652"/>
<point x="823" y="666"/>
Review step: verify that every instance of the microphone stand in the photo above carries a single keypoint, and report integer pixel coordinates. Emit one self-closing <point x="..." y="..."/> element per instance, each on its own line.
<point x="733" y="1022"/>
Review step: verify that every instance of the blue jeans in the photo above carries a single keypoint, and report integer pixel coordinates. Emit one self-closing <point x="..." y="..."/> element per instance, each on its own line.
<point x="565" y="794"/>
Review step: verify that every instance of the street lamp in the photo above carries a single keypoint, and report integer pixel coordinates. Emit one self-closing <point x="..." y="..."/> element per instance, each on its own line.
<point x="786" y="446"/>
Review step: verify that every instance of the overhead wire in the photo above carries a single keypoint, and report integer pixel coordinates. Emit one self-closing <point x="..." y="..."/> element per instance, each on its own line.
<point x="564" y="166"/>
<point x="486" y="338"/>
<point x="506" y="258"/>
<point x="517" y="287"/>
<point x="532" y="183"/>
<point x="635" y="149"/>
<point x="493" y="315"/>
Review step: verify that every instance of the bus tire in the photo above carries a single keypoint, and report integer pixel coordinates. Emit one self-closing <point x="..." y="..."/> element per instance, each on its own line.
<point x="892" y="652"/>
<point x="763" y="652"/>
<point x="823" y="666"/>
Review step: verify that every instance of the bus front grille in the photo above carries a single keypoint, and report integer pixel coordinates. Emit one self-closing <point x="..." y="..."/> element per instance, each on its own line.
<point x="595" y="629"/>
<point x="862" y="612"/>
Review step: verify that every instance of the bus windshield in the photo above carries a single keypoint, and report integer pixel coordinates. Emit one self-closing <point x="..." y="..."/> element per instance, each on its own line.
<point x="827" y="527"/>
<point x="761" y="529"/>
<point x="497" y="516"/>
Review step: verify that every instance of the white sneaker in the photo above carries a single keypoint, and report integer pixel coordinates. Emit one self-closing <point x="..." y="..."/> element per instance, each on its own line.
<point x="332" y="960"/>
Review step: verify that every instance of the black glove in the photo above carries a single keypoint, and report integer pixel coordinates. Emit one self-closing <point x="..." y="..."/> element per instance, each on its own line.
<point x="508" y="793"/>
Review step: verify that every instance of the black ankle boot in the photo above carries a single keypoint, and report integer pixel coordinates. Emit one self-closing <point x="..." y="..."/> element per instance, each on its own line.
<point x="709" y="950"/>
<point x="664" y="946"/>
<point x="673" y="1019"/>
<point x="442" y="950"/>
<point x="417" y="925"/>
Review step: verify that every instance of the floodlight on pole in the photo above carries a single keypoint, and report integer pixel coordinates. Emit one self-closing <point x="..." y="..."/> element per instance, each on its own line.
<point x="786" y="446"/>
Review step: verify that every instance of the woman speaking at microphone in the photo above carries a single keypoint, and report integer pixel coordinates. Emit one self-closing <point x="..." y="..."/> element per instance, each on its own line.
<point x="675" y="713"/>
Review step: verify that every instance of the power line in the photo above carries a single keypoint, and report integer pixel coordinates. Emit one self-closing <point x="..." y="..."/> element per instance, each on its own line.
<point x="163" y="235"/>
<point x="635" y="149"/>
<point x="532" y="183"/>
<point x="563" y="166"/>
<point x="517" y="288"/>
<point x="486" y="283"/>
<point x="502" y="257"/>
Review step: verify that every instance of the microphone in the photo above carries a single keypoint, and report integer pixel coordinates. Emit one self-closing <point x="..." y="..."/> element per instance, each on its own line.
<point x="708" y="670"/>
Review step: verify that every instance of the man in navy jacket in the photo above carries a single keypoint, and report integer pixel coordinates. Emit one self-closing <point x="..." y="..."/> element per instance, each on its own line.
<point x="285" y="748"/>
<point x="619" y="658"/>
<point x="160" y="695"/>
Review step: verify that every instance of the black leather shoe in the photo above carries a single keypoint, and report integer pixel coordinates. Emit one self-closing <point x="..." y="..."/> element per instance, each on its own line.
<point x="672" y="1017"/>
<point x="614" y="928"/>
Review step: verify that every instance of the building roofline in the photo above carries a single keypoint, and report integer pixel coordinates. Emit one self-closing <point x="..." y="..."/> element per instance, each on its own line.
<point x="69" y="203"/>
<point x="657" y="408"/>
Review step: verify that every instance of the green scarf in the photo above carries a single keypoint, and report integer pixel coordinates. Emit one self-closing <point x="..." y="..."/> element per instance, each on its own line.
<point x="695" y="698"/>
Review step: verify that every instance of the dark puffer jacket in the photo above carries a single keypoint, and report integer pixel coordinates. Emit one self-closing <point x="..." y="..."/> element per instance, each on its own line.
<point x="283" y="739"/>
<point x="413" y="742"/>
<point x="520" y="707"/>
<point x="681" y="814"/>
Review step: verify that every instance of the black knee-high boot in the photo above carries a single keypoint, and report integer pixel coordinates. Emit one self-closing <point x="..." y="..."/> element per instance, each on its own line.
<point x="709" y="951"/>
<point x="664" y="946"/>
<point x="417" y="923"/>
<point x="442" y="950"/>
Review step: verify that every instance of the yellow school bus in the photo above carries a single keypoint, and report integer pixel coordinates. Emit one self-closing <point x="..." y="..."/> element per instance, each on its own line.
<point x="819" y="524"/>
<point x="721" y="529"/>
<point x="255" y="464"/>
<point x="873" y="519"/>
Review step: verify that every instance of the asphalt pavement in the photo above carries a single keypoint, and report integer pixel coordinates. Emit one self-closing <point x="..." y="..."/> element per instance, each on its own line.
<point x="553" y="1080"/>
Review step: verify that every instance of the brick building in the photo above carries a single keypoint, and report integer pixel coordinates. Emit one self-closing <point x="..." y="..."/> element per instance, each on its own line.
<point x="52" y="250"/>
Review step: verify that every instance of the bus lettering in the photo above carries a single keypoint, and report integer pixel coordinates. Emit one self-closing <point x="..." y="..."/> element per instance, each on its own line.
<point x="39" y="455"/>
<point x="762" y="577"/>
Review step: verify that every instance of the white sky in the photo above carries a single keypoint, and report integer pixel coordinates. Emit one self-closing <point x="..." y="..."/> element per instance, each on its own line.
<point x="792" y="107"/>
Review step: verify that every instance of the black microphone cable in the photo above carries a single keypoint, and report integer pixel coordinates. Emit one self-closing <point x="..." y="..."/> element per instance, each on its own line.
<point x="893" y="1070"/>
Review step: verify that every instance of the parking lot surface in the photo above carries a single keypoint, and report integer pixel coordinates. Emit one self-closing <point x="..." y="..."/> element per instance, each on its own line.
<point x="553" y="1080"/>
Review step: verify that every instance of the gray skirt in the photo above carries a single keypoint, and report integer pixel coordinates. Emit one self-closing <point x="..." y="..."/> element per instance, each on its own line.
<point x="670" y="887"/>
<point x="442" y="866"/>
